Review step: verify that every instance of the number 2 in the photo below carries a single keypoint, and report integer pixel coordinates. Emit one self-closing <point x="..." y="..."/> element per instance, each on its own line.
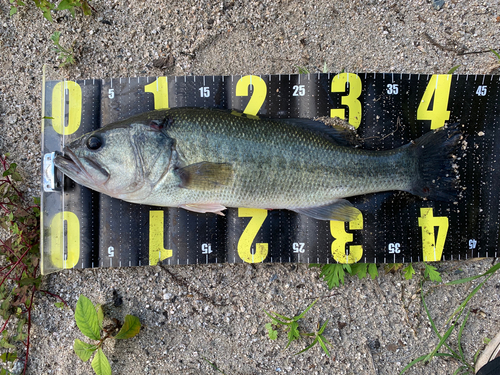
<point x="258" y="95"/>
<point x="258" y="216"/>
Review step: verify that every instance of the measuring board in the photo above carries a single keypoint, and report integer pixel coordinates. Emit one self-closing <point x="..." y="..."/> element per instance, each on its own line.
<point x="82" y="228"/>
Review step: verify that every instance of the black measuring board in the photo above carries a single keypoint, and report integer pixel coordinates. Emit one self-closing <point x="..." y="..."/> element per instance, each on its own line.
<point x="82" y="228"/>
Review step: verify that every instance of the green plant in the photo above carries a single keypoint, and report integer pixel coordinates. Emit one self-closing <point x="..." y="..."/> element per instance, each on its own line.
<point x="303" y="70"/>
<point x="409" y="272"/>
<point x="458" y="354"/>
<point x="47" y="7"/>
<point x="334" y="273"/>
<point x="89" y="319"/>
<point x="214" y="366"/>
<point x="19" y="277"/>
<point x="292" y="326"/>
<point x="431" y="273"/>
<point x="66" y="55"/>
<point x="496" y="54"/>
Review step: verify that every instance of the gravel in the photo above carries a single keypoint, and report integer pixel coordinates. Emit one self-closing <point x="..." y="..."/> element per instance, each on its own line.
<point x="194" y="315"/>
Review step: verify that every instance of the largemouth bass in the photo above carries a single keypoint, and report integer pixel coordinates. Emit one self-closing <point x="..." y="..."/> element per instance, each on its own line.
<point x="206" y="160"/>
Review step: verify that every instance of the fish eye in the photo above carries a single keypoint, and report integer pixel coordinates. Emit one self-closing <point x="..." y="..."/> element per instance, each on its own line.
<point x="94" y="143"/>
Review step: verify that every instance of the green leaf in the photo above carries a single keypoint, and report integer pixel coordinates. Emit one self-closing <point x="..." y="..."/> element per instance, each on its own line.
<point x="325" y="67"/>
<point x="373" y="270"/>
<point x="432" y="273"/>
<point x="293" y="334"/>
<point x="359" y="269"/>
<point x="100" y="363"/>
<point x="86" y="318"/>
<point x="459" y="337"/>
<point x="409" y="272"/>
<point x="83" y="350"/>
<point x="305" y="311"/>
<point x="13" y="10"/>
<point x="8" y="357"/>
<point x="47" y="15"/>
<point x="393" y="267"/>
<point x="460" y="308"/>
<point x="47" y="118"/>
<point x="273" y="334"/>
<point x="16" y="176"/>
<point x="333" y="274"/>
<point x="276" y="321"/>
<point x="130" y="328"/>
<point x="5" y="344"/>
<point x="419" y="359"/>
<point x="59" y="305"/>
<point x="323" y="346"/>
<point x="55" y="37"/>
<point x="20" y="337"/>
<point x="496" y="53"/>
<point x="452" y="70"/>
<point x="322" y="327"/>
<point x="86" y="8"/>
<point x="65" y="4"/>
<point x="464" y="280"/>
<point x="308" y="347"/>
<point x="30" y="281"/>
<point x="100" y="315"/>
<point x="303" y="70"/>
<point x="20" y="325"/>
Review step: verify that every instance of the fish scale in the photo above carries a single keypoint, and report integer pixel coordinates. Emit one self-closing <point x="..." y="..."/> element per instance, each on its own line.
<point x="206" y="160"/>
<point x="280" y="165"/>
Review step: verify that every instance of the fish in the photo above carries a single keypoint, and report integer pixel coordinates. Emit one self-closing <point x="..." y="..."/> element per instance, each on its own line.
<point x="205" y="160"/>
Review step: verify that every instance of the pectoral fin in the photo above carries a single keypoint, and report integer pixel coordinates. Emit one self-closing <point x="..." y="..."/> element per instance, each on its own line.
<point x="339" y="210"/>
<point x="205" y="175"/>
<point x="204" y="208"/>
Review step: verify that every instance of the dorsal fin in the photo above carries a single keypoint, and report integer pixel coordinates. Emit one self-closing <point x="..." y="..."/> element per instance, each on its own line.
<point x="341" y="135"/>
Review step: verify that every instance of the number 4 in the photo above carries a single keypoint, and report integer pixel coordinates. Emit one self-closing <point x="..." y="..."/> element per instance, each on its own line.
<point x="439" y="88"/>
<point x="432" y="245"/>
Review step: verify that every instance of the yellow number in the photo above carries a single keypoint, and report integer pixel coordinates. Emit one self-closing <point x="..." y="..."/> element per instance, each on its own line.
<point x="432" y="247"/>
<point x="352" y="81"/>
<point x="156" y="250"/>
<point x="337" y="229"/>
<point x="258" y="216"/>
<point x="258" y="95"/>
<point x="159" y="89"/>
<point x="74" y="107"/>
<point x="439" y="87"/>
<point x="72" y="238"/>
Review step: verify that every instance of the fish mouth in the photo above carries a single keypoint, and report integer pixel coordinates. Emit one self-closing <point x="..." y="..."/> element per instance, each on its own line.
<point x="72" y="166"/>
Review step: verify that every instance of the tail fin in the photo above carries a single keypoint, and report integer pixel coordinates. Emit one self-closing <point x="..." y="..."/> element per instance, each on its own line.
<point x="436" y="177"/>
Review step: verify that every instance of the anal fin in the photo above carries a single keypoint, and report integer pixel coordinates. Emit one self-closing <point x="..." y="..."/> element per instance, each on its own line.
<point x="339" y="210"/>
<point x="204" y="208"/>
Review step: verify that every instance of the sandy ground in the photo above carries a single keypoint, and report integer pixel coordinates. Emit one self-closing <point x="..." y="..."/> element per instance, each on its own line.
<point x="215" y="313"/>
